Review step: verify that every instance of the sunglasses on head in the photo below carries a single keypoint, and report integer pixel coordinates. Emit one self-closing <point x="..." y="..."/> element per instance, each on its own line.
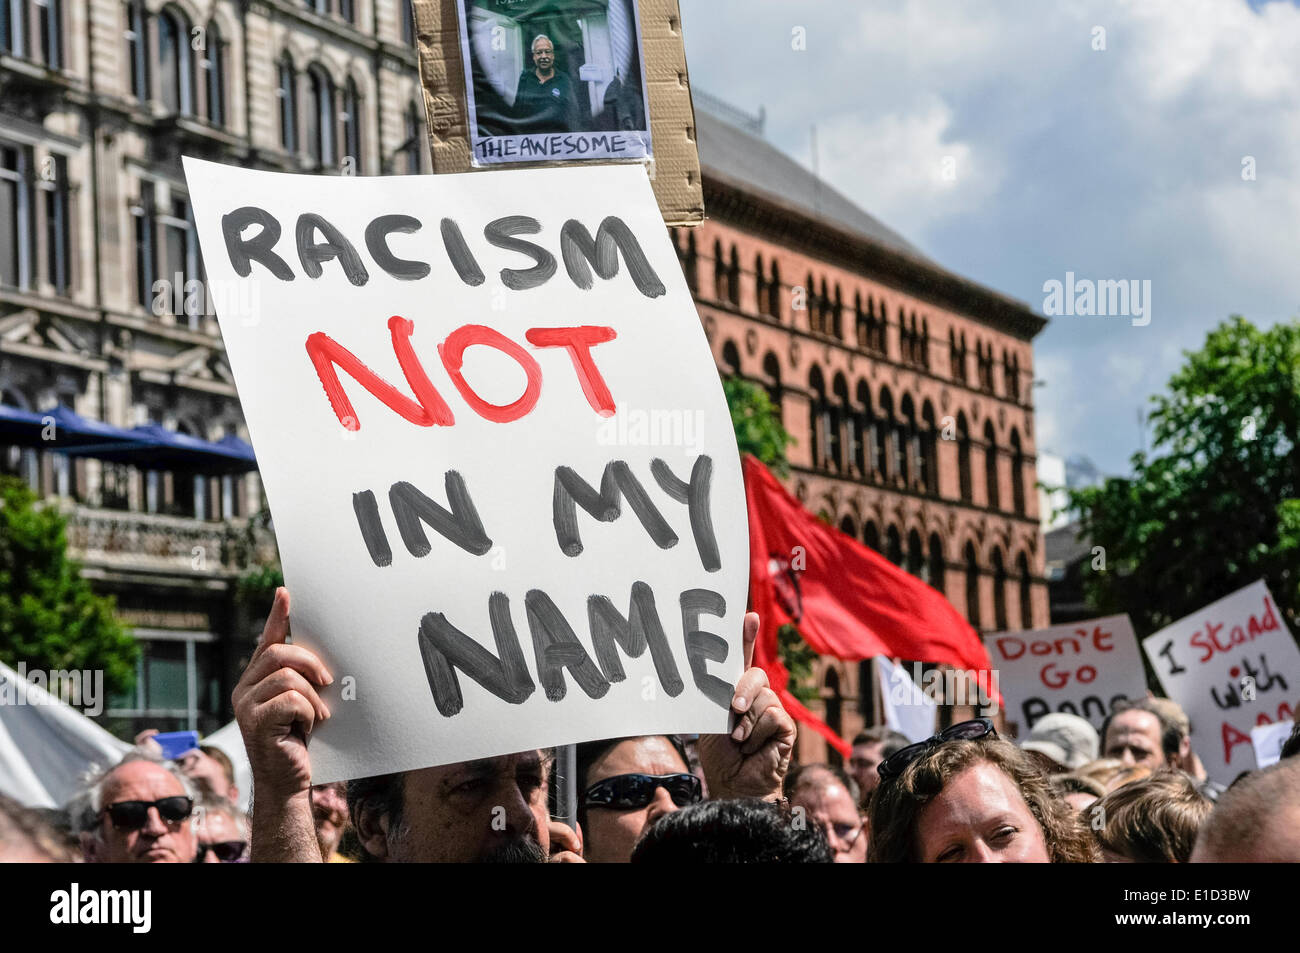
<point x="628" y="791"/>
<point x="133" y="815"/>
<point x="897" y="762"/>
<point x="228" y="852"/>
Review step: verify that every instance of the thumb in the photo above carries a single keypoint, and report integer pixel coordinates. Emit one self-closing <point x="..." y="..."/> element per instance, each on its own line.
<point x="750" y="636"/>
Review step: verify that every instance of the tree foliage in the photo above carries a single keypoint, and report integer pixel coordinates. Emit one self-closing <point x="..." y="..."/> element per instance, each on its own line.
<point x="50" y="618"/>
<point x="758" y="426"/>
<point x="1216" y="505"/>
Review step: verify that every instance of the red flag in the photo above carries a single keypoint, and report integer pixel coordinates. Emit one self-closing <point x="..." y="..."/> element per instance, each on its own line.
<point x="848" y="601"/>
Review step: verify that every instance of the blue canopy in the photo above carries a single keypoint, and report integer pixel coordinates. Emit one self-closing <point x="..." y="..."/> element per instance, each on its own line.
<point x="149" y="447"/>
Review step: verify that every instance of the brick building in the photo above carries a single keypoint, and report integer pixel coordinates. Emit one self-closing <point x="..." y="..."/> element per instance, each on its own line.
<point x="908" y="389"/>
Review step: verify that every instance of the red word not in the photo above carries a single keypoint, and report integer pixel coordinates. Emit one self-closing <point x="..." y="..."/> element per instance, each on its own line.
<point x="1210" y="640"/>
<point x="428" y="409"/>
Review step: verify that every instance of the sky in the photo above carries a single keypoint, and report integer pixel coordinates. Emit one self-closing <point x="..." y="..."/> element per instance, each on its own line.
<point x="1016" y="141"/>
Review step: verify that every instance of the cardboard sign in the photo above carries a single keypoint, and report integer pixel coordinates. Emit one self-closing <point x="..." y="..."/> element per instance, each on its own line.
<point x="1083" y="668"/>
<point x="500" y="463"/>
<point x="622" y="62"/>
<point x="1232" y="666"/>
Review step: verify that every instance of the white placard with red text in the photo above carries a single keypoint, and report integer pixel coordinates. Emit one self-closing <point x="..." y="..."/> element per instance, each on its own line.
<point x="501" y="467"/>
<point x="1082" y="668"/>
<point x="1233" y="665"/>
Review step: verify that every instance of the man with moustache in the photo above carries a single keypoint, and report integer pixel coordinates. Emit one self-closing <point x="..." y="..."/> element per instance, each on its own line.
<point x="487" y="810"/>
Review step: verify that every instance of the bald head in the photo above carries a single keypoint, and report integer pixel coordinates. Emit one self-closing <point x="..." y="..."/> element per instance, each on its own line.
<point x="1257" y="821"/>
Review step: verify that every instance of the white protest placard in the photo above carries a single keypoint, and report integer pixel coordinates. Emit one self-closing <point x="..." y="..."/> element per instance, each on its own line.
<point x="1267" y="740"/>
<point x="1082" y="668"/>
<point x="497" y="452"/>
<point x="1232" y="666"/>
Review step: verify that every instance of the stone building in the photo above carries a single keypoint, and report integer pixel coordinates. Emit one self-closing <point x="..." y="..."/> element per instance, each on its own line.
<point x="101" y="308"/>
<point x="907" y="388"/>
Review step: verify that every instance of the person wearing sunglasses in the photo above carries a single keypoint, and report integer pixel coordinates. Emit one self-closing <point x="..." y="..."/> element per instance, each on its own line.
<point x="222" y="832"/>
<point x="138" y="812"/>
<point x="624" y="785"/>
<point x="451" y="812"/>
<point x="966" y="796"/>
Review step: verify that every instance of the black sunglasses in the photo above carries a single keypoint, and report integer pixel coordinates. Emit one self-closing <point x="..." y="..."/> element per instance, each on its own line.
<point x="897" y="762"/>
<point x="629" y="791"/>
<point x="133" y="815"/>
<point x="228" y="852"/>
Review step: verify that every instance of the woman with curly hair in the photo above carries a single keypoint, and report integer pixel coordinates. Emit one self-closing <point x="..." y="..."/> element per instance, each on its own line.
<point x="965" y="796"/>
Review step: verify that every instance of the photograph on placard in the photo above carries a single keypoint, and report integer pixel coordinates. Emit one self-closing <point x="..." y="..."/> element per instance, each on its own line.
<point x="554" y="80"/>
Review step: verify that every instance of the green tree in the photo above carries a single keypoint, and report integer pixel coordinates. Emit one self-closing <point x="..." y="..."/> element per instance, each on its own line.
<point x="757" y="424"/>
<point x="1215" y="506"/>
<point x="50" y="618"/>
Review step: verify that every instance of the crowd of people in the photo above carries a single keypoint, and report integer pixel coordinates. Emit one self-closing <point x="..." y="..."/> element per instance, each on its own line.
<point x="1134" y="792"/>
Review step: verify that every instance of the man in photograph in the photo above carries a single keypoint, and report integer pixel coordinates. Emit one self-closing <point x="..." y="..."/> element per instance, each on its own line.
<point x="545" y="101"/>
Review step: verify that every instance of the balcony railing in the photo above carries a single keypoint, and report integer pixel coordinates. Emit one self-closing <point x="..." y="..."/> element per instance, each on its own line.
<point x="121" y="540"/>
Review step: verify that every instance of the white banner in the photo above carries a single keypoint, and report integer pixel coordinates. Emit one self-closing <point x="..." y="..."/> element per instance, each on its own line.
<point x="501" y="467"/>
<point x="1232" y="666"/>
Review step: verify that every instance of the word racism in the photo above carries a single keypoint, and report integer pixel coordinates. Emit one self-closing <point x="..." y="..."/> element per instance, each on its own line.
<point x="579" y="250"/>
<point x="82" y="689"/>
<point x="1104" y="298"/>
<point x="77" y="906"/>
<point x="556" y="647"/>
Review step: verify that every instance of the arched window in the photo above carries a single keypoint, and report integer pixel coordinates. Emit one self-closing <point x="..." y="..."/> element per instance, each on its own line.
<point x="936" y="564"/>
<point x="352" y="122"/>
<point x="963" y="457"/>
<point x="991" y="466"/>
<point x="837" y="314"/>
<point x="904" y="338"/>
<point x="907" y="441"/>
<point x="924" y="347"/>
<point x="733" y="278"/>
<point x="1026" y="598"/>
<point x="1017" y="474"/>
<point x="834" y="713"/>
<point x="774" y="293"/>
<point x="175" y="65"/>
<point x="915" y="555"/>
<point x="894" y="546"/>
<point x="810" y="304"/>
<point x="871" y="535"/>
<point x="214" y="74"/>
<point x="885" y="459"/>
<point x="320" y="116"/>
<point x="719" y="272"/>
<point x="731" y="359"/>
<point x="684" y="240"/>
<point x="880" y="327"/>
<point x="847" y="527"/>
<point x="287" y="93"/>
<point x="999" y="591"/>
<point x="137" y="48"/>
<point x="864" y="432"/>
<point x="760" y="285"/>
<point x="772" y="368"/>
<point x="840" y="421"/>
<point x="860" y="328"/>
<point x="818" y="422"/>
<point x="926" y="465"/>
<point x="972" y="586"/>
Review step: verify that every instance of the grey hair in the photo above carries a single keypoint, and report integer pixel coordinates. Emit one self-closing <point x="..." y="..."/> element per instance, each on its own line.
<point x="84" y="806"/>
<point x="541" y="36"/>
